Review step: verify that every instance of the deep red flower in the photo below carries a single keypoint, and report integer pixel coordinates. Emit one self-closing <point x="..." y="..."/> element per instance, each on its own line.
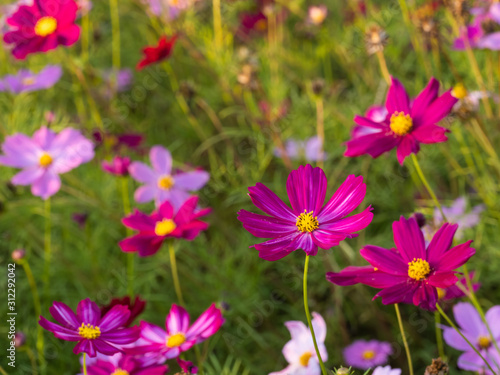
<point x="154" y="54"/>
<point x="136" y="307"/>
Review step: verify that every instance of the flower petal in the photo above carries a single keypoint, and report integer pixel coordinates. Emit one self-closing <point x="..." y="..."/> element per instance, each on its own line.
<point x="385" y="260"/>
<point x="441" y="242"/>
<point x="455" y="257"/>
<point x="397" y="98"/>
<point x="88" y="312"/>
<point x="191" y="181"/>
<point x="64" y="315"/>
<point x="424" y="100"/>
<point x="114" y="318"/>
<point x="161" y="159"/>
<point x="265" y="226"/>
<point x="306" y="188"/>
<point x="264" y="199"/>
<point x="409" y="239"/>
<point x="143" y="173"/>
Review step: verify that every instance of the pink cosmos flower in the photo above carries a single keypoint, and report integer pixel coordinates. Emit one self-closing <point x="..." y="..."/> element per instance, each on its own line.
<point x="118" y="167"/>
<point x="44" y="157"/>
<point x="406" y="124"/>
<point x="300" y="352"/>
<point x="161" y="184"/>
<point x="409" y="273"/>
<point x="308" y="224"/>
<point x="42" y="27"/>
<point x="122" y="364"/>
<point x="187" y="367"/>
<point x="367" y="354"/>
<point x="93" y="332"/>
<point x="179" y="335"/>
<point x="163" y="224"/>
<point x="483" y="31"/>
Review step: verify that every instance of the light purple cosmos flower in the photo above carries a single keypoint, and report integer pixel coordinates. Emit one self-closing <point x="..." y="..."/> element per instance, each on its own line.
<point x="26" y="81"/>
<point x="308" y="224"/>
<point x="472" y="327"/>
<point x="123" y="79"/>
<point x="310" y="150"/>
<point x="367" y="354"/>
<point x="161" y="184"/>
<point x="387" y="370"/>
<point x="300" y="352"/>
<point x="483" y="32"/>
<point x="168" y="9"/>
<point x="93" y="332"/>
<point x="44" y="157"/>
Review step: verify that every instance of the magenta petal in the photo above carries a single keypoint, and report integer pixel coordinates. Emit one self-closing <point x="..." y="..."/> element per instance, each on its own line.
<point x="305" y="242"/>
<point x="409" y="239"/>
<point x="177" y="320"/>
<point x="64" y="315"/>
<point x="441" y="242"/>
<point x="44" y="137"/>
<point x="306" y="188"/>
<point x="326" y="239"/>
<point x="425" y="297"/>
<point x="424" y="100"/>
<point x="455" y="257"/>
<point x="206" y="325"/>
<point x="265" y="226"/>
<point x="105" y="348"/>
<point x="152" y="333"/>
<point x="58" y="331"/>
<point x="139" y="221"/>
<point x="442" y="280"/>
<point x="166" y="210"/>
<point x="407" y="146"/>
<point x="121" y="336"/>
<point x="397" y="98"/>
<point x="264" y="199"/>
<point x="399" y="293"/>
<point x="145" y="245"/>
<point x="114" y="318"/>
<point x="350" y="224"/>
<point x="349" y="275"/>
<point x="85" y="346"/>
<point x="385" y="260"/>
<point x="430" y="134"/>
<point x="372" y="144"/>
<point x="439" y="109"/>
<point x="191" y="181"/>
<point x="276" y="248"/>
<point x="161" y="159"/>
<point x="88" y="312"/>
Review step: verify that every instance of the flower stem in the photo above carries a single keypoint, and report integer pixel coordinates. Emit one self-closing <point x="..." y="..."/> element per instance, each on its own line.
<point x="217" y="24"/>
<point x="84" y="363"/>
<point x="175" y="275"/>
<point x="403" y="335"/>
<point x="131" y="256"/>
<point x="439" y="336"/>
<point x="383" y="67"/>
<point x="462" y="335"/>
<point x="47" y="247"/>
<point x="308" y="316"/>
<point x="320" y="128"/>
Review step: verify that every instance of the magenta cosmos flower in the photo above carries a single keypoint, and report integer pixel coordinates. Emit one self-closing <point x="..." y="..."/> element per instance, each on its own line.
<point x="179" y="335"/>
<point x="94" y="334"/>
<point x="118" y="166"/>
<point x="308" y="224"/>
<point x="44" y="157"/>
<point x="163" y="224"/>
<point x="122" y="364"/>
<point x="161" y="184"/>
<point x="406" y="125"/>
<point x="42" y="27"/>
<point x="409" y="273"/>
<point x="367" y="354"/>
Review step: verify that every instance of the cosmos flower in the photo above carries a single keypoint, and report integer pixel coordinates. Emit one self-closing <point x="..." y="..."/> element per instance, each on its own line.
<point x="42" y="27"/>
<point x="252" y="23"/>
<point x="161" y="184"/>
<point x="168" y="9"/>
<point x="472" y="326"/>
<point x="179" y="335"/>
<point x="406" y="124"/>
<point x="483" y="32"/>
<point x="316" y="14"/>
<point x="122" y="364"/>
<point x="93" y="332"/>
<point x="187" y="367"/>
<point x="118" y="167"/>
<point x="116" y="82"/>
<point x="456" y="291"/>
<point x="136" y="307"/>
<point x="367" y="354"/>
<point x="154" y="54"/>
<point x="387" y="370"/>
<point x="309" y="224"/>
<point x="44" y="157"/>
<point x="310" y="149"/>
<point x="300" y="352"/>
<point x="163" y="224"/>
<point x="26" y="81"/>
<point x="409" y="273"/>
<point x="130" y="141"/>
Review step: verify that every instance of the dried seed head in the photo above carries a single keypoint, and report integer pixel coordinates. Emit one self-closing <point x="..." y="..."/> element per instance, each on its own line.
<point x="426" y="23"/>
<point x="438" y="367"/>
<point x="376" y="39"/>
<point x="343" y="371"/>
<point x="318" y="85"/>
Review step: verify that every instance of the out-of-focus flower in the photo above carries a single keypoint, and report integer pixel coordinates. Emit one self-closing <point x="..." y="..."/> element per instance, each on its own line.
<point x="427" y="23"/>
<point x="468" y="102"/>
<point x="309" y="224"/>
<point x="483" y="32"/>
<point x="375" y="39"/>
<point x="49" y="116"/>
<point x="123" y="364"/>
<point x="19" y="339"/>
<point x="136" y="307"/>
<point x="367" y="354"/>
<point x="154" y="54"/>
<point x="316" y="14"/>
<point x="42" y="27"/>
<point x="456" y="291"/>
<point x="179" y="335"/>
<point x="310" y="150"/>
<point x="18" y="254"/>
<point x="131" y="141"/>
<point x="8" y="10"/>
<point x="163" y="224"/>
<point x="27" y="81"/>
<point x="116" y="82"/>
<point x="118" y="167"/>
<point x="252" y="23"/>
<point x="84" y="7"/>
<point x="300" y="352"/>
<point x="161" y="184"/>
<point x="187" y="367"/>
<point x="409" y="273"/>
<point x="44" y="157"/>
<point x="406" y="125"/>
<point x="459" y="9"/>
<point x="271" y="115"/>
<point x="387" y="370"/>
<point x="80" y="218"/>
<point x="168" y="9"/>
<point x="93" y="332"/>
<point x="472" y="326"/>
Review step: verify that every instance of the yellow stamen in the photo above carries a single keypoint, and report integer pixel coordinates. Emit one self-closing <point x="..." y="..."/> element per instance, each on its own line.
<point x="401" y="124"/>
<point x="164" y="227"/>
<point x="368" y="354"/>
<point x="89" y="332"/>
<point x="306" y="222"/>
<point x="45" y="160"/>
<point x="120" y="372"/>
<point x="484" y="342"/>
<point x="418" y="269"/>
<point x="304" y="358"/>
<point x="459" y="91"/>
<point x="165" y="182"/>
<point x="441" y="293"/>
<point x="176" y="340"/>
<point x="45" y="26"/>
<point x="28" y="81"/>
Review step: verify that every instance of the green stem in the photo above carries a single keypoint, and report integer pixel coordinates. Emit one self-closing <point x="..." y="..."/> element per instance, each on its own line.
<point x="403" y="335"/>
<point x="175" y="275"/>
<point x="309" y="322"/>
<point x="217" y="24"/>
<point x="84" y="363"/>
<point x="131" y="256"/>
<point x="462" y="335"/>
<point x="47" y="246"/>
<point x="439" y="336"/>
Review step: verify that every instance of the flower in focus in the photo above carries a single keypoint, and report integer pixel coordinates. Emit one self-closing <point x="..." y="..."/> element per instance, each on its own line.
<point x="178" y="336"/>
<point x="44" y="157"/>
<point x="118" y="167"/>
<point x="122" y="364"/>
<point x="187" y="367"/>
<point x="367" y="354"/>
<point x="310" y="150"/>
<point x="472" y="326"/>
<point x="163" y="224"/>
<point x="161" y="184"/>
<point x="483" y="32"/>
<point x="316" y="14"/>
<point x="26" y="81"/>
<point x="406" y="125"/>
<point x="409" y="273"/>
<point x="154" y="54"/>
<point x="309" y="224"/>
<point x="93" y="332"/>
<point x="136" y="307"/>
<point x="42" y="26"/>
<point x="300" y="352"/>
<point x="457" y="290"/>
<point x="387" y="370"/>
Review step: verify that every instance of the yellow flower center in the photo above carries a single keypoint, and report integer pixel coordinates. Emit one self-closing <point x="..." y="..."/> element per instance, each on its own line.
<point x="45" y="26"/>
<point x="165" y="182"/>
<point x="368" y="354"/>
<point x="441" y="293"/>
<point x="401" y="124"/>
<point x="261" y="25"/>
<point x="418" y="269"/>
<point x="306" y="222"/>
<point x="120" y="372"/>
<point x="304" y="358"/>
<point x="28" y="81"/>
<point x="484" y="342"/>
<point x="45" y="160"/>
<point x="164" y="227"/>
<point x="176" y="340"/>
<point x="459" y="91"/>
<point x="89" y="332"/>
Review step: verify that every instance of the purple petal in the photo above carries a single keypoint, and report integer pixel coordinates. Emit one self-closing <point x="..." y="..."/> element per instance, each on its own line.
<point x="177" y="320"/>
<point x="64" y="315"/>
<point x="20" y="151"/>
<point x="47" y="185"/>
<point x="28" y="176"/>
<point x="490" y="41"/>
<point x="385" y="260"/>
<point x="58" y="331"/>
<point x="191" y="181"/>
<point x="409" y="239"/>
<point x="44" y="137"/>
<point x="161" y="159"/>
<point x="306" y="188"/>
<point x="471" y="361"/>
<point x="453" y="339"/>
<point x="264" y="199"/>
<point x="142" y="173"/>
<point x="469" y="319"/>
<point x="88" y="312"/>
<point x="145" y="193"/>
<point x="265" y="226"/>
<point x="397" y="98"/>
<point x="122" y="336"/>
<point x="114" y="318"/>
